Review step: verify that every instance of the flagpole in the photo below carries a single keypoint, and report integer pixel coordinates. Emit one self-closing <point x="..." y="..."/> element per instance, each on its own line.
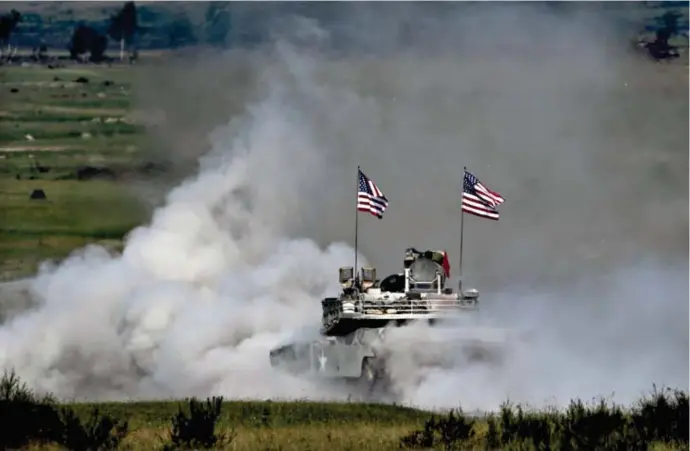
<point x="462" y="233"/>
<point x="356" y="225"/>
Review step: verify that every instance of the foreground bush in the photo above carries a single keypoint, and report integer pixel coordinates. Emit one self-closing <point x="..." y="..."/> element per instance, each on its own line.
<point x="98" y="432"/>
<point x="448" y="431"/>
<point x="26" y="419"/>
<point x="197" y="431"/>
<point x="661" y="419"/>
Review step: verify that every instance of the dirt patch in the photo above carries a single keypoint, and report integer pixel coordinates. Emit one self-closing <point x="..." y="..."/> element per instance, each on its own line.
<point x="42" y="84"/>
<point x="70" y="110"/>
<point x="85" y="111"/>
<point x="33" y="149"/>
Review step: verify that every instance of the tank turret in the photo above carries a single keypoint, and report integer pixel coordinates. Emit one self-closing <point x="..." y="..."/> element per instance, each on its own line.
<point x="418" y="293"/>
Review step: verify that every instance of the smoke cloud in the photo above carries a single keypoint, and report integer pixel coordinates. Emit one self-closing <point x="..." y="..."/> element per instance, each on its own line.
<point x="587" y="143"/>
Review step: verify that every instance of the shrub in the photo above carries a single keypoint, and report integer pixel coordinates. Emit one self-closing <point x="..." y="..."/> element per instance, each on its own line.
<point x="517" y="429"/>
<point x="99" y="432"/>
<point x="33" y="419"/>
<point x="662" y="419"/>
<point x="590" y="428"/>
<point x="198" y="429"/>
<point x="447" y="431"/>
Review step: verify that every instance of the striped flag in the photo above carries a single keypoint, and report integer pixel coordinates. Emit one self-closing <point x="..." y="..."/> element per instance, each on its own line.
<point x="369" y="197"/>
<point x="478" y="199"/>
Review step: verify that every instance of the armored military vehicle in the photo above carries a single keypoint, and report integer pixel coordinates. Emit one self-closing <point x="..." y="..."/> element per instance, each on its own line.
<point x="352" y="343"/>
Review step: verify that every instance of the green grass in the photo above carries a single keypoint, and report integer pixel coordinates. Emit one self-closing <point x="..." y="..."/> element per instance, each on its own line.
<point x="264" y="413"/>
<point x="49" y="119"/>
<point x="58" y="115"/>
<point x="75" y="213"/>
<point x="41" y="74"/>
<point x="94" y="208"/>
<point x="49" y="105"/>
<point x="12" y="132"/>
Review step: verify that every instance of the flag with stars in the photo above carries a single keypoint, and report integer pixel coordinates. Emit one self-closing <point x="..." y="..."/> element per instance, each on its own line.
<point x="370" y="199"/>
<point x="478" y="200"/>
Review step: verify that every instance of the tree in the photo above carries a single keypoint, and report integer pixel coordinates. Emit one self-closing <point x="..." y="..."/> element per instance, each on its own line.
<point x="8" y="22"/>
<point x="669" y="25"/>
<point x="216" y="24"/>
<point x="123" y="26"/>
<point x="86" y="39"/>
<point x="180" y="32"/>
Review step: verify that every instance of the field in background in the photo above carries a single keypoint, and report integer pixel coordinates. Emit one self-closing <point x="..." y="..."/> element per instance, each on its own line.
<point x="70" y="133"/>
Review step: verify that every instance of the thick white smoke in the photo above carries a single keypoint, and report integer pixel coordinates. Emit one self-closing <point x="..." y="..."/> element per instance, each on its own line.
<point x="611" y="338"/>
<point x="198" y="295"/>
<point x="588" y="261"/>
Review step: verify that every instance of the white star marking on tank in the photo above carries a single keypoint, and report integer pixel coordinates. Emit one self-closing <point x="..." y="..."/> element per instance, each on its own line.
<point x="322" y="361"/>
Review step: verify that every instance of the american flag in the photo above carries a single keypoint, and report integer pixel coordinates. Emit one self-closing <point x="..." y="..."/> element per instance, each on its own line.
<point x="369" y="197"/>
<point x="479" y="200"/>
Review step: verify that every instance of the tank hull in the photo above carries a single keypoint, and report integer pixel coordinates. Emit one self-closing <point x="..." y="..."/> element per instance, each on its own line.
<point x="354" y="367"/>
<point x="366" y="361"/>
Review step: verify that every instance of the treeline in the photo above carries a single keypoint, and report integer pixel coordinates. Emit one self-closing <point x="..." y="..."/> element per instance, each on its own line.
<point x="661" y="419"/>
<point x="86" y="42"/>
<point x="152" y="26"/>
<point x="122" y="28"/>
<point x="89" y="31"/>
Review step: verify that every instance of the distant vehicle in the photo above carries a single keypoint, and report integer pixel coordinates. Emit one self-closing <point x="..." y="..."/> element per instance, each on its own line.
<point x="356" y="323"/>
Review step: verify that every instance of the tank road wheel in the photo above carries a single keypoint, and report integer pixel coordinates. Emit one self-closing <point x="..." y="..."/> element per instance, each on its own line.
<point x="372" y="381"/>
<point x="368" y="377"/>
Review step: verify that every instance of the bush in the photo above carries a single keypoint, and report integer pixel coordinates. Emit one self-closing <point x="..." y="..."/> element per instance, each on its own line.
<point x="447" y="431"/>
<point x="26" y="418"/>
<point x="663" y="419"/>
<point x="590" y="428"/>
<point x="99" y="432"/>
<point x="32" y="419"/>
<point x="198" y="429"/>
<point x="521" y="428"/>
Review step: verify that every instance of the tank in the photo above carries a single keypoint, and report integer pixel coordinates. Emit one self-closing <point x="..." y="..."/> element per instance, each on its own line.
<point x="354" y="345"/>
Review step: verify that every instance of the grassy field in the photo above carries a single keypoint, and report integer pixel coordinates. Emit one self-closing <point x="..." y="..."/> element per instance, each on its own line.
<point x="658" y="422"/>
<point x="56" y="132"/>
<point x="275" y="425"/>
